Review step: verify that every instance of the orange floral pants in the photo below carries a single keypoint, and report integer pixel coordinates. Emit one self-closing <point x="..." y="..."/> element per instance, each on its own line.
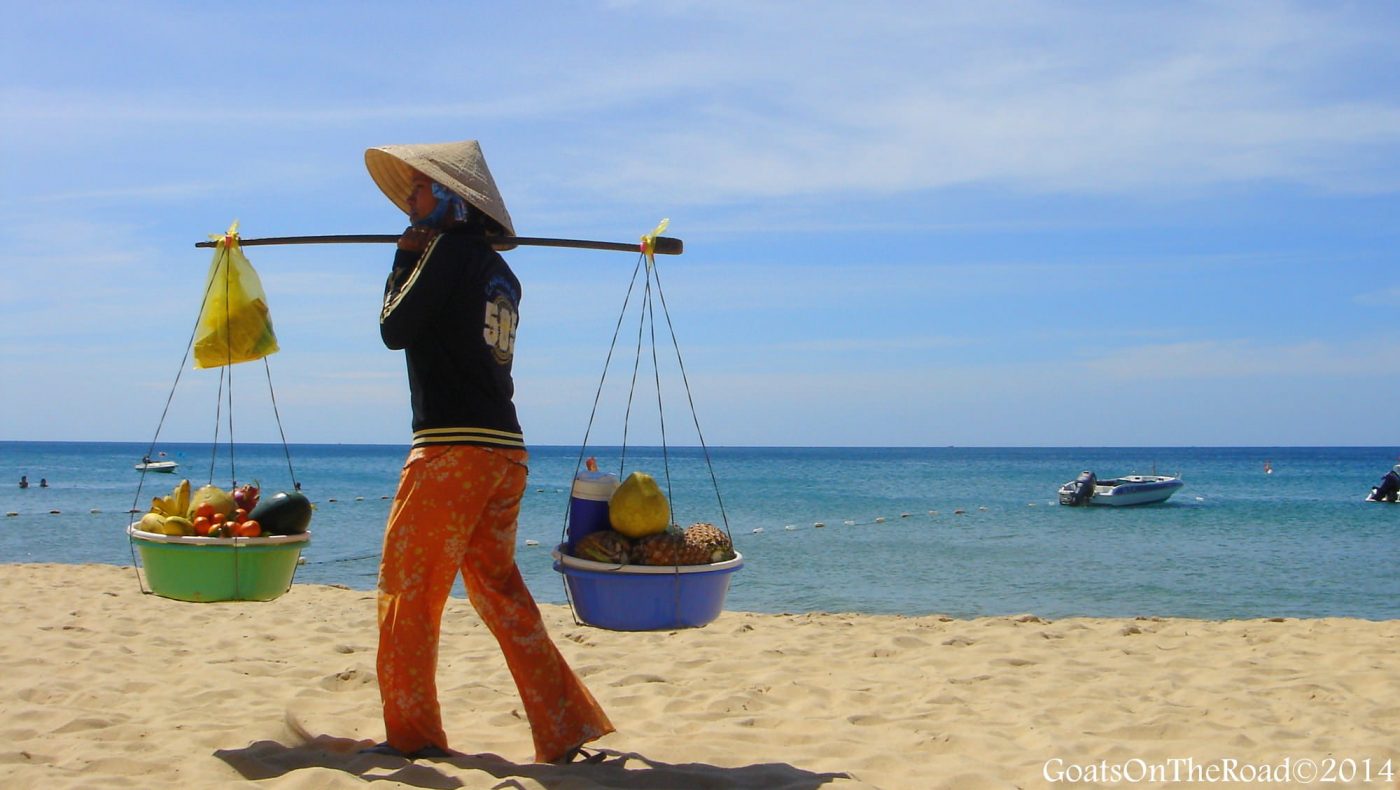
<point x="455" y="510"/>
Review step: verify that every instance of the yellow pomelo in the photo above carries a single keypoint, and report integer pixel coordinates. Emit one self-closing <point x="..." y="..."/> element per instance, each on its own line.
<point x="638" y="508"/>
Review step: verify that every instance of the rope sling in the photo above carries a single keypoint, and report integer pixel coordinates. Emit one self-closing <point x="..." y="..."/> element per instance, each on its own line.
<point x="646" y="337"/>
<point x="223" y="397"/>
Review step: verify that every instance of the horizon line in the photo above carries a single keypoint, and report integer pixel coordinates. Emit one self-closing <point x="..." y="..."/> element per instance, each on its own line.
<point x="407" y="444"/>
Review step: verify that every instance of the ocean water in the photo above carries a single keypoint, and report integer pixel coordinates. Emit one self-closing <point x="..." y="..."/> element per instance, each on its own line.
<point x="960" y="531"/>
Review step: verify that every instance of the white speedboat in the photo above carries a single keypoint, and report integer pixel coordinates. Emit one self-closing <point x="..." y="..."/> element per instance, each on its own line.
<point x="1388" y="490"/>
<point x="157" y="466"/>
<point x="1087" y="489"/>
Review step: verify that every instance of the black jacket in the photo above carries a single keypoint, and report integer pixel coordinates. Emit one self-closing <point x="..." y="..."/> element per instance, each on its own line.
<point x="453" y="310"/>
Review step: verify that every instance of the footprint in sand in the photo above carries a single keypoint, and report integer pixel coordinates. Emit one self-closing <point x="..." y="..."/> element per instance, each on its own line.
<point x="349" y="680"/>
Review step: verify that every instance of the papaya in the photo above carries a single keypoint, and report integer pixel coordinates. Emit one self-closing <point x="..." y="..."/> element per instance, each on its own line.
<point x="283" y="513"/>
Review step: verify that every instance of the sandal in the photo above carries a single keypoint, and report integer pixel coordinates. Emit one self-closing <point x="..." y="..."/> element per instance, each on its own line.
<point x="580" y="755"/>
<point x="382" y="748"/>
<point x="429" y="752"/>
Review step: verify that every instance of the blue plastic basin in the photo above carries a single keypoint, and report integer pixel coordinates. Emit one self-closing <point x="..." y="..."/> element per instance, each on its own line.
<point x="646" y="597"/>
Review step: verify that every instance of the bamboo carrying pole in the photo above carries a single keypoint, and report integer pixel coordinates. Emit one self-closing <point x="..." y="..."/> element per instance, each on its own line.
<point x="664" y="245"/>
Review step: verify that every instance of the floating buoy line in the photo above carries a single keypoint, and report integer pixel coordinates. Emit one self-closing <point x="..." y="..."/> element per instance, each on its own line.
<point x="531" y="543"/>
<point x="132" y="511"/>
<point x="880" y="520"/>
<point x="876" y="520"/>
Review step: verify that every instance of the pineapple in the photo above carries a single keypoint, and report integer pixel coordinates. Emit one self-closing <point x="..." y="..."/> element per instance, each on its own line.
<point x="663" y="548"/>
<point x="604" y="546"/>
<point x="705" y="543"/>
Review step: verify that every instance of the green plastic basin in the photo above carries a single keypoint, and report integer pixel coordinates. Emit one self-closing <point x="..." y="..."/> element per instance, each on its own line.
<point x="218" y="569"/>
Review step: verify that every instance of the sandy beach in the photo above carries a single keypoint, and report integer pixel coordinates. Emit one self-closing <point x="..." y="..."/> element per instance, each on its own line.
<point x="102" y="686"/>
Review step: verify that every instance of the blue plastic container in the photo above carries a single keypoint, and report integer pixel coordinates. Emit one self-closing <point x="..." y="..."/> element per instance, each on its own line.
<point x="588" y="504"/>
<point x="646" y="597"/>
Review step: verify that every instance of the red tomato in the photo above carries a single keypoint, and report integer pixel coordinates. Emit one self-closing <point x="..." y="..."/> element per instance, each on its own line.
<point x="218" y="518"/>
<point x="239" y="516"/>
<point x="201" y="526"/>
<point x="248" y="529"/>
<point x="205" y="509"/>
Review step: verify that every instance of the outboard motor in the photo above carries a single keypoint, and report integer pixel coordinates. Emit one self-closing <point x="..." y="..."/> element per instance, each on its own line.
<point x="1389" y="488"/>
<point x="1080" y="491"/>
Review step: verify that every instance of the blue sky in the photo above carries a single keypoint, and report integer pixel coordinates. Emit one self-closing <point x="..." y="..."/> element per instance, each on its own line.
<point x="1059" y="223"/>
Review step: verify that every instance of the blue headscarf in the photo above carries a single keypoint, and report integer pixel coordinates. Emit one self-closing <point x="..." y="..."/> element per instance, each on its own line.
<point x="451" y="210"/>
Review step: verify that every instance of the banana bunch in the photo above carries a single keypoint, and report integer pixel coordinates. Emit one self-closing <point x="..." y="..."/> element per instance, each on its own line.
<point x="177" y="503"/>
<point x="169" y="514"/>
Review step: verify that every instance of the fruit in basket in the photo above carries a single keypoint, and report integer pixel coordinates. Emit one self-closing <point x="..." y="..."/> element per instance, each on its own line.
<point x="638" y="508"/>
<point x="246" y="496"/>
<point x="605" y="545"/>
<point x="663" y="548"/>
<point x="182" y="498"/>
<point x="219" y="501"/>
<point x="706" y="543"/>
<point x="175" y="504"/>
<point x="283" y="513"/>
<point x="152" y="522"/>
<point x="178" y="525"/>
<point x="166" y="528"/>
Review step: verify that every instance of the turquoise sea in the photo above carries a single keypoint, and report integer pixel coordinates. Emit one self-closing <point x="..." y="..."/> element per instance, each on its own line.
<point x="961" y="531"/>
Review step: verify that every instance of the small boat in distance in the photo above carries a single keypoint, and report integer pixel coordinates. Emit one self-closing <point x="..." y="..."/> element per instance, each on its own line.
<point x="1388" y="490"/>
<point x="148" y="465"/>
<point x="1087" y="489"/>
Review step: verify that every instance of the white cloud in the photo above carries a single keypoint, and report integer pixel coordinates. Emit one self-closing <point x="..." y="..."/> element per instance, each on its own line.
<point x="1381" y="297"/>
<point x="931" y="182"/>
<point x="1240" y="359"/>
<point x="807" y="100"/>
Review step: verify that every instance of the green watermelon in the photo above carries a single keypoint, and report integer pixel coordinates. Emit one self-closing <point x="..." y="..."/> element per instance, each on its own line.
<point x="283" y="513"/>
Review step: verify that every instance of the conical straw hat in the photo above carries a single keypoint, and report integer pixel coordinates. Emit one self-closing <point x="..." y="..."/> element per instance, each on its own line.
<point x="458" y="166"/>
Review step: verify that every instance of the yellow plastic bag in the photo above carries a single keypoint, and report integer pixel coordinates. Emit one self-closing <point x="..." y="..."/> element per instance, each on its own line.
<point x="234" y="325"/>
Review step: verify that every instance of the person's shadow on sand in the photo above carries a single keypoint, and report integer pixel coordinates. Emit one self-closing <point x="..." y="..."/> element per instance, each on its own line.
<point x="269" y="759"/>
